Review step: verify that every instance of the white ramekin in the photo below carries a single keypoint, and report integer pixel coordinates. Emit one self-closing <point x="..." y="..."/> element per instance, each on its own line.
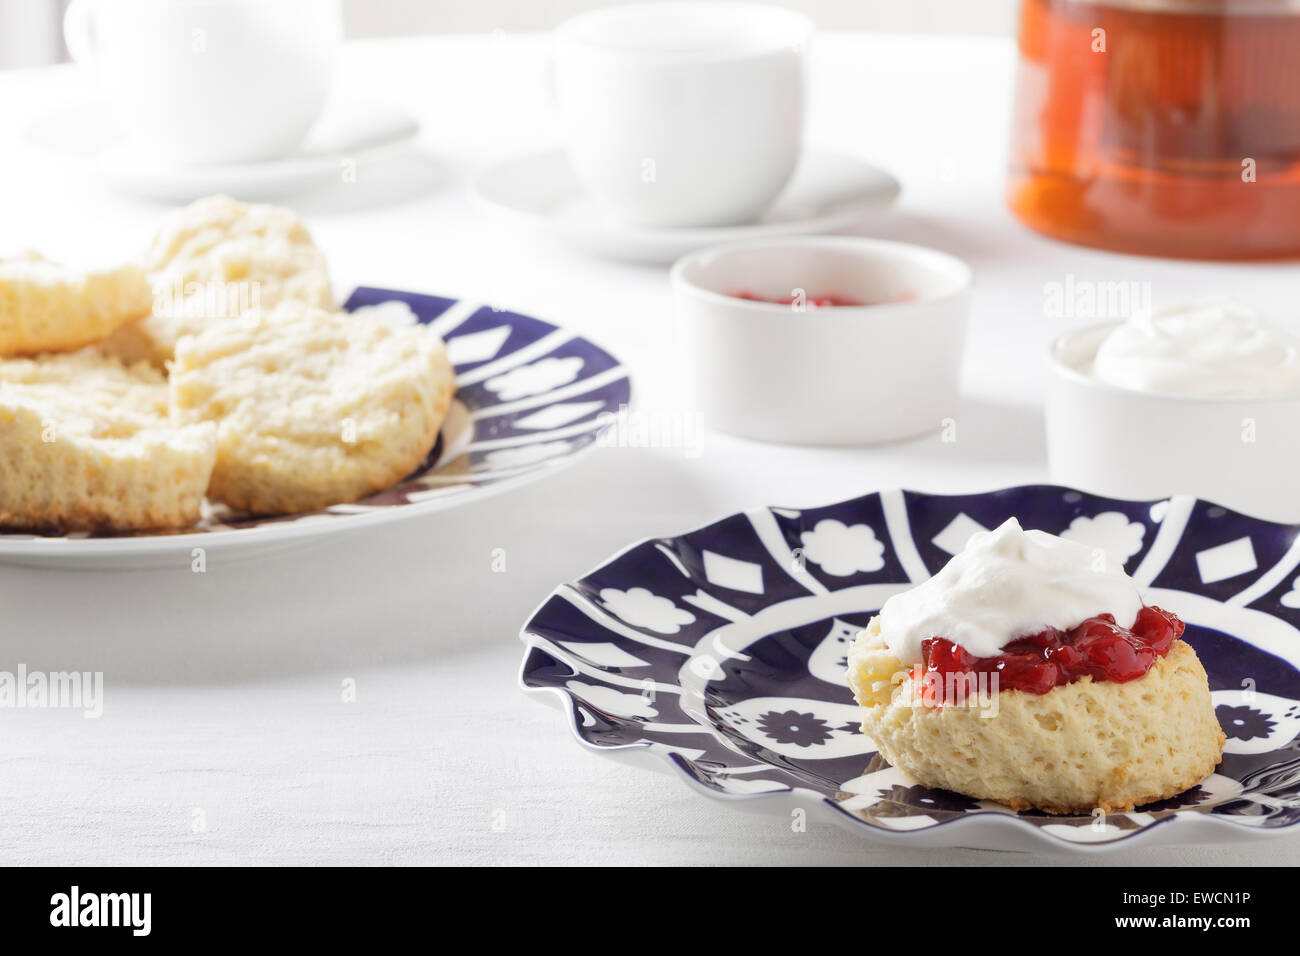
<point x="1242" y="453"/>
<point x="835" y="376"/>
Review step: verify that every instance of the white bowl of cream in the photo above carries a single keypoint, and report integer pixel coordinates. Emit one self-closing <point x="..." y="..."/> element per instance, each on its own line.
<point x="1214" y="349"/>
<point x="1201" y="399"/>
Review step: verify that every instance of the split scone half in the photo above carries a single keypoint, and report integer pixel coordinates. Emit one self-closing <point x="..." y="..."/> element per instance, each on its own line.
<point x="312" y="407"/>
<point x="86" y="444"/>
<point x="1086" y="714"/>
<point x="215" y="259"/>
<point x="45" y="307"/>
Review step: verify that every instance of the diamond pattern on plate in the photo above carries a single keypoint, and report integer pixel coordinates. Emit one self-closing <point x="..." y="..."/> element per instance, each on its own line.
<point x="477" y="346"/>
<point x="733" y="573"/>
<point x="954" y="537"/>
<point x="557" y="416"/>
<point x="1226" y="560"/>
<point x="534" y="379"/>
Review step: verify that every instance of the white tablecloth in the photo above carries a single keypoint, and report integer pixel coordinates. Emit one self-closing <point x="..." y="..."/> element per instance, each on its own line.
<point x="225" y="737"/>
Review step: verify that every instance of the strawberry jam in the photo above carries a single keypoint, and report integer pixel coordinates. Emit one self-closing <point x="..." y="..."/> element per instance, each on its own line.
<point x="1098" y="648"/>
<point x="830" y="300"/>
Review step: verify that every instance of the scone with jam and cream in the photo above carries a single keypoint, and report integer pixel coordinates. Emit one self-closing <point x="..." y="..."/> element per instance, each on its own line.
<point x="1028" y="671"/>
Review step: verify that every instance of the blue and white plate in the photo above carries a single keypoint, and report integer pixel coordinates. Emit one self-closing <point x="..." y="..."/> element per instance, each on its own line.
<point x="530" y="398"/>
<point x="721" y="653"/>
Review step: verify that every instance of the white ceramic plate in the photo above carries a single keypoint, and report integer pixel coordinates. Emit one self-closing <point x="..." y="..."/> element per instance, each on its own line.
<point x="530" y="399"/>
<point x="828" y="192"/>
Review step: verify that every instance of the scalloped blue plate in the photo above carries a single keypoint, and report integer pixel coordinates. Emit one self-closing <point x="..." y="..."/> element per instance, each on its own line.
<point x="720" y="653"/>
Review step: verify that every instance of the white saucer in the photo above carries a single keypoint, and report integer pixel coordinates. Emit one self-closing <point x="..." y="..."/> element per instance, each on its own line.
<point x="828" y="192"/>
<point x="357" y="132"/>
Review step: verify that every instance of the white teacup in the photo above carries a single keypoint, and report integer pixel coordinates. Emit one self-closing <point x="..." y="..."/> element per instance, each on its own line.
<point x="683" y="113"/>
<point x="210" y="81"/>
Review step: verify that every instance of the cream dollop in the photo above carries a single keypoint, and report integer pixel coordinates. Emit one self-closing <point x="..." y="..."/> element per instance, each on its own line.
<point x="1213" y="349"/>
<point x="1005" y="584"/>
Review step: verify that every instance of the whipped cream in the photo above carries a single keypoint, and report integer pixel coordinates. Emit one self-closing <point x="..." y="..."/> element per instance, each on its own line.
<point x="1213" y="349"/>
<point x="1008" y="583"/>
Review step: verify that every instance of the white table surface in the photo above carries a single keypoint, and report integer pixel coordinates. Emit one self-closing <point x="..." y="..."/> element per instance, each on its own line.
<point x="225" y="738"/>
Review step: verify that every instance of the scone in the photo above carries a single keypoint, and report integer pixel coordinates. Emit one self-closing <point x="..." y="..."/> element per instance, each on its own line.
<point x="312" y="407"/>
<point x="86" y="444"/>
<point x="1006" y="677"/>
<point x="45" y="307"/>
<point x="215" y="259"/>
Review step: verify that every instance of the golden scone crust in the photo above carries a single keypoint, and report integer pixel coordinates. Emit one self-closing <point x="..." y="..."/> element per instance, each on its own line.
<point x="1084" y="745"/>
<point x="312" y="407"/>
<point x="45" y="307"/>
<point x="86" y="445"/>
<point x="212" y="260"/>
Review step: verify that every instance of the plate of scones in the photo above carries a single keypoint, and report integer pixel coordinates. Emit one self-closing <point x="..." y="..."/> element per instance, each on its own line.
<point x="1019" y="669"/>
<point x="214" y="394"/>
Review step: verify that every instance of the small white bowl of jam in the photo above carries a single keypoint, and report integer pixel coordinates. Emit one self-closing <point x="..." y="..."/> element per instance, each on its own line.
<point x="831" y="340"/>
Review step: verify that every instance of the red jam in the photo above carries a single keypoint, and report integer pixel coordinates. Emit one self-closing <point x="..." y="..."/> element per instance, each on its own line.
<point x="1098" y="648"/>
<point x="819" y="301"/>
<point x="811" y="301"/>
